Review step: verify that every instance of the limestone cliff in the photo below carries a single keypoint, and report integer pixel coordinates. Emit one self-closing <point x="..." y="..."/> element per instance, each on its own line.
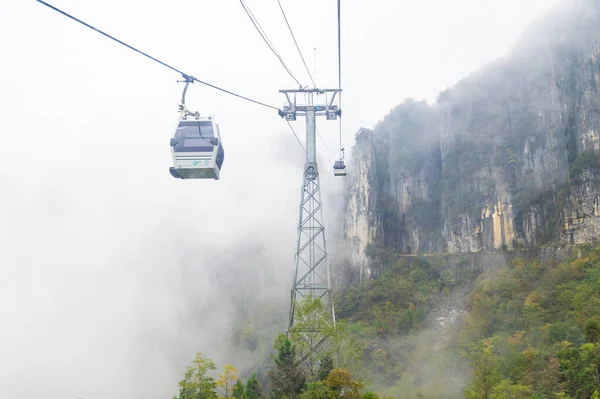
<point x="507" y="158"/>
<point x="365" y="223"/>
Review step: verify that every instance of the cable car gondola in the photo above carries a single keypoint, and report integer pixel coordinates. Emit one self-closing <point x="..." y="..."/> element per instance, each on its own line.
<point x="196" y="146"/>
<point x="197" y="149"/>
<point x="339" y="168"/>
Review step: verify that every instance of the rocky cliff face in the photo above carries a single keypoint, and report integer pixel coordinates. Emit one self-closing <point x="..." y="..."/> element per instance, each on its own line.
<point x="394" y="186"/>
<point x="507" y="158"/>
<point x="365" y="224"/>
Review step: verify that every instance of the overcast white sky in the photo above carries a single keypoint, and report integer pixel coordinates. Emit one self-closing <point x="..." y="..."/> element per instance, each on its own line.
<point x="95" y="233"/>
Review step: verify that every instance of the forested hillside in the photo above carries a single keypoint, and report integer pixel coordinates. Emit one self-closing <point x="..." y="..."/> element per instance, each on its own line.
<point x="527" y="330"/>
<point x="532" y="330"/>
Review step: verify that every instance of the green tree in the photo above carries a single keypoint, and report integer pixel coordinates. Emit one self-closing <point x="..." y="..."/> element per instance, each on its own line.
<point x="342" y="346"/>
<point x="485" y="374"/>
<point x="312" y="325"/>
<point x="592" y="331"/>
<point x="196" y="384"/>
<point x="579" y="365"/>
<point x="506" y="390"/>
<point x="591" y="356"/>
<point x="253" y="390"/>
<point x="338" y="384"/>
<point x="370" y="395"/>
<point x="287" y="378"/>
<point x="316" y="390"/>
<point x="325" y="367"/>
<point x="341" y="384"/>
<point x="238" y="390"/>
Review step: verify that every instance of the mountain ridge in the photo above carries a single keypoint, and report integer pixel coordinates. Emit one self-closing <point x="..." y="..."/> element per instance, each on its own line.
<point x="506" y="158"/>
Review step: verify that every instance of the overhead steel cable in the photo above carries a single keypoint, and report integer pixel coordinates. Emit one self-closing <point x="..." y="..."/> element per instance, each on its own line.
<point x="293" y="131"/>
<point x="340" y="69"/>
<point x="339" y="46"/>
<point x="323" y="141"/>
<point x="296" y="43"/>
<point x="185" y="75"/>
<point x="264" y="36"/>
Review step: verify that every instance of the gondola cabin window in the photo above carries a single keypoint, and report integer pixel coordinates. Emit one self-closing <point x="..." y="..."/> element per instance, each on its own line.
<point x="194" y="136"/>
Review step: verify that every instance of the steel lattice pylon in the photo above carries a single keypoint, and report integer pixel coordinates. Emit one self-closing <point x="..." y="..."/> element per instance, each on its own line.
<point x="312" y="275"/>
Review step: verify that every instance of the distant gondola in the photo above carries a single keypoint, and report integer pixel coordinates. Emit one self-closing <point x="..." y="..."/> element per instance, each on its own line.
<point x="339" y="168"/>
<point x="197" y="148"/>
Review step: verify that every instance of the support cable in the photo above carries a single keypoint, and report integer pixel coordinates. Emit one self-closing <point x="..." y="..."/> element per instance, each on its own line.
<point x="185" y="75"/>
<point x="296" y="43"/>
<point x="323" y="141"/>
<point x="266" y="39"/>
<point x="339" y="47"/>
<point x="340" y="70"/>
<point x="293" y="131"/>
<point x="187" y="78"/>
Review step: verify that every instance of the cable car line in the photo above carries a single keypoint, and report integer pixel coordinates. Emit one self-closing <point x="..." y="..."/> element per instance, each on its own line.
<point x="293" y="131"/>
<point x="340" y="68"/>
<point x="339" y="47"/>
<point x="323" y="141"/>
<point x="296" y="43"/>
<point x="339" y="168"/>
<point x="191" y="79"/>
<point x="185" y="76"/>
<point x="264" y="36"/>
